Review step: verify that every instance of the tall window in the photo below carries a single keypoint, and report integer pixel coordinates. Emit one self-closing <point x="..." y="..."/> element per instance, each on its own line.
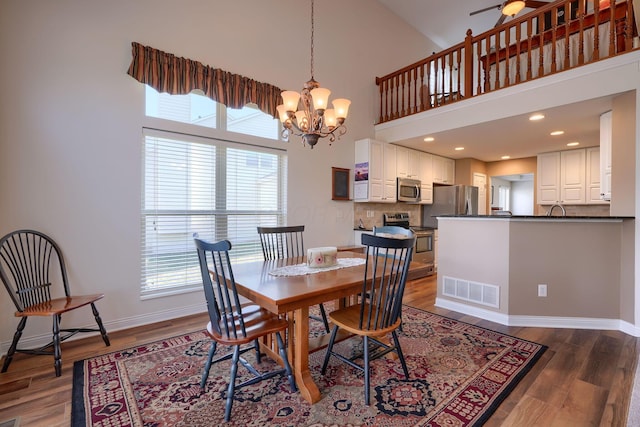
<point x="195" y="185"/>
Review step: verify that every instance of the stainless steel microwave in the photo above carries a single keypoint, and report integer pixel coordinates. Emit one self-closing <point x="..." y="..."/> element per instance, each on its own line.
<point x="408" y="190"/>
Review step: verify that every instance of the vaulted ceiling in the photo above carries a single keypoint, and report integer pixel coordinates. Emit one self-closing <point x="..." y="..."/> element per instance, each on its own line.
<point x="446" y="23"/>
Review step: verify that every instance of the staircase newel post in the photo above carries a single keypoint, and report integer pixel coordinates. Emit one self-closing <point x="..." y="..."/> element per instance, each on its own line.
<point x="468" y="65"/>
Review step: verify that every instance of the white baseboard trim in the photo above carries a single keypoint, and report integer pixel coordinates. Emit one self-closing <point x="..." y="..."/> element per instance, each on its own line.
<point x="630" y="329"/>
<point x="541" y="321"/>
<point x="37" y="341"/>
<point x="482" y="313"/>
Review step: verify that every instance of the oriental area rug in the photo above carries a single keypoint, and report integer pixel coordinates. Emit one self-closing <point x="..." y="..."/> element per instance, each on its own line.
<point x="459" y="374"/>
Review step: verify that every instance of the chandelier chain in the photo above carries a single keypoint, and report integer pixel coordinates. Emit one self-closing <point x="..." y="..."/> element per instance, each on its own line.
<point x="312" y="40"/>
<point x="307" y="114"/>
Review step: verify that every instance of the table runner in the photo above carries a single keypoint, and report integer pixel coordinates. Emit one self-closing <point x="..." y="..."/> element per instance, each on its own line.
<point x="303" y="269"/>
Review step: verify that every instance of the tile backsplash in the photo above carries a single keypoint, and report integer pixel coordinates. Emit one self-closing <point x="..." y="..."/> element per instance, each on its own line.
<point x="577" y="210"/>
<point x="375" y="211"/>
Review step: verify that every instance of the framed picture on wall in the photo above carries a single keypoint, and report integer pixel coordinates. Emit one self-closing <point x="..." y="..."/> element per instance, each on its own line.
<point x="339" y="184"/>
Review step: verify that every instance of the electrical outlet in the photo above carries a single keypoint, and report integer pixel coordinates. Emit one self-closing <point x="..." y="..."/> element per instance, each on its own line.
<point x="542" y="290"/>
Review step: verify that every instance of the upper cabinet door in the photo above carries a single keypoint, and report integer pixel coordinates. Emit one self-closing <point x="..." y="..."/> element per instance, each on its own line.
<point x="549" y="178"/>
<point x="443" y="170"/>
<point x="402" y="162"/>
<point x="407" y="163"/>
<point x="426" y="178"/>
<point x="389" y="178"/>
<point x="572" y="176"/>
<point x="593" y="176"/>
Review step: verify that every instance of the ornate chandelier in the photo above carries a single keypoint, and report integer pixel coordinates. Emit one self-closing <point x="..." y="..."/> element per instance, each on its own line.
<point x="306" y="114"/>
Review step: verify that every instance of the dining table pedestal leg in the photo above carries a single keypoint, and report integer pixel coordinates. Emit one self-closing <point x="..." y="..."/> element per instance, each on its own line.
<point x="306" y="385"/>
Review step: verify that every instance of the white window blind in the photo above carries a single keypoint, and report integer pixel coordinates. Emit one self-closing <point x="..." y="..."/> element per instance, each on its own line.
<point x="206" y="187"/>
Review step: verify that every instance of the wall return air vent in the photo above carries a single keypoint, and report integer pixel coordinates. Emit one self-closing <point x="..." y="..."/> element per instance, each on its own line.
<point x="479" y="293"/>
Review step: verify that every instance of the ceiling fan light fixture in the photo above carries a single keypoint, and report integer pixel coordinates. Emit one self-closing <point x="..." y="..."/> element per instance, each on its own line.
<point x="512" y="7"/>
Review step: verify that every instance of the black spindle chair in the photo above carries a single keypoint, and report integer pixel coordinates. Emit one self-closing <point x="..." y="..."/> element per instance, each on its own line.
<point x="378" y="312"/>
<point x="396" y="232"/>
<point x="234" y="324"/>
<point x="33" y="272"/>
<point x="287" y="242"/>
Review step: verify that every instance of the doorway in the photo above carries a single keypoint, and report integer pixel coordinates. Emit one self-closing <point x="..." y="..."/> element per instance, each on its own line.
<point x="480" y="181"/>
<point x="512" y="193"/>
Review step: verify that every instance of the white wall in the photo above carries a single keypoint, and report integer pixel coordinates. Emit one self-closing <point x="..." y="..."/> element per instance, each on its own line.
<point x="71" y="119"/>
<point x="522" y="197"/>
<point x="496" y="184"/>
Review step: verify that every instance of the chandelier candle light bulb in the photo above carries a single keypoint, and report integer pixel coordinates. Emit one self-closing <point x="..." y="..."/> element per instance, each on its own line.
<point x="313" y="120"/>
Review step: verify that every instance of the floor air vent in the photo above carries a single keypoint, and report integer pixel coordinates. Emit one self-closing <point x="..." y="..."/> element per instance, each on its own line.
<point x="479" y="293"/>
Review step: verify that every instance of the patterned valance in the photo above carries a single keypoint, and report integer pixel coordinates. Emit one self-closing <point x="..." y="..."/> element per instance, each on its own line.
<point x="179" y="76"/>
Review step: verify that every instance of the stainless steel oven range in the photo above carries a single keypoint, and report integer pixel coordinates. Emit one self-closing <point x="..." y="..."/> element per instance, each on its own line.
<point x="423" y="249"/>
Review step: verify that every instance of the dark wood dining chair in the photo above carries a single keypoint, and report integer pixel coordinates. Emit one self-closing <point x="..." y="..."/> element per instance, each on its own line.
<point x="391" y="231"/>
<point x="232" y="324"/>
<point x="378" y="312"/>
<point x="287" y="242"/>
<point x="34" y="274"/>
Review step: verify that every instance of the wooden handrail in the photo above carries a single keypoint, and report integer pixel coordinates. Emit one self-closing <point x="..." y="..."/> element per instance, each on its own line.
<point x="573" y="27"/>
<point x="509" y="54"/>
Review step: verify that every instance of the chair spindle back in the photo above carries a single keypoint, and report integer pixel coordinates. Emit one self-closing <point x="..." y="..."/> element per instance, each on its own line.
<point x="223" y="302"/>
<point x="386" y="271"/>
<point x="27" y="258"/>
<point x="281" y="242"/>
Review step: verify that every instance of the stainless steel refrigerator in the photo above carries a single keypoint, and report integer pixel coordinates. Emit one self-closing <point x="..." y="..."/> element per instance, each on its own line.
<point x="450" y="200"/>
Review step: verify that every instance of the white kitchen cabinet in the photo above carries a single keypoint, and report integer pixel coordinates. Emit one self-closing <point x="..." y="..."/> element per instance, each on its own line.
<point x="407" y="163"/>
<point x="569" y="177"/>
<point x="593" y="177"/>
<point x="605" y="156"/>
<point x="389" y="174"/>
<point x="572" y="177"/>
<point x="402" y="162"/>
<point x="449" y="171"/>
<point x="548" y="178"/>
<point x="375" y="170"/>
<point x="426" y="178"/>
<point x="443" y="170"/>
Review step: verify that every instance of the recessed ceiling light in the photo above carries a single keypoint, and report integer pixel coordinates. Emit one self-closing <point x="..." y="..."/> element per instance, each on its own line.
<point x="505" y="157"/>
<point x="573" y="144"/>
<point x="557" y="132"/>
<point x="459" y="148"/>
<point x="429" y="139"/>
<point x="536" y="117"/>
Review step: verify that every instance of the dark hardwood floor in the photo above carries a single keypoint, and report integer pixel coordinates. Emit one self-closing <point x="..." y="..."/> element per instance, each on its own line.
<point x="584" y="378"/>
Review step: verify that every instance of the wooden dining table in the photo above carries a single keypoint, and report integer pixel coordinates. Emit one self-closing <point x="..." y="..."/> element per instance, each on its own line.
<point x="292" y="296"/>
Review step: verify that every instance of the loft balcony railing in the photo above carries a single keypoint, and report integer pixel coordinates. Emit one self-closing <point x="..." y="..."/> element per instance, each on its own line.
<point x="560" y="36"/>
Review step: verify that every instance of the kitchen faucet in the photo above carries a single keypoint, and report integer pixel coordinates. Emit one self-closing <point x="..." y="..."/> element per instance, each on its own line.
<point x="550" y="211"/>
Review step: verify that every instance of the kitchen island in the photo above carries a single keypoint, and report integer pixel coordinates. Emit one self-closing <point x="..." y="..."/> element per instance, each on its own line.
<point x="573" y="272"/>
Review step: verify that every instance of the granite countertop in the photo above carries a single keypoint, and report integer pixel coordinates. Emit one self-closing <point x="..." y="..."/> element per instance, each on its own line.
<point x="540" y="217"/>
